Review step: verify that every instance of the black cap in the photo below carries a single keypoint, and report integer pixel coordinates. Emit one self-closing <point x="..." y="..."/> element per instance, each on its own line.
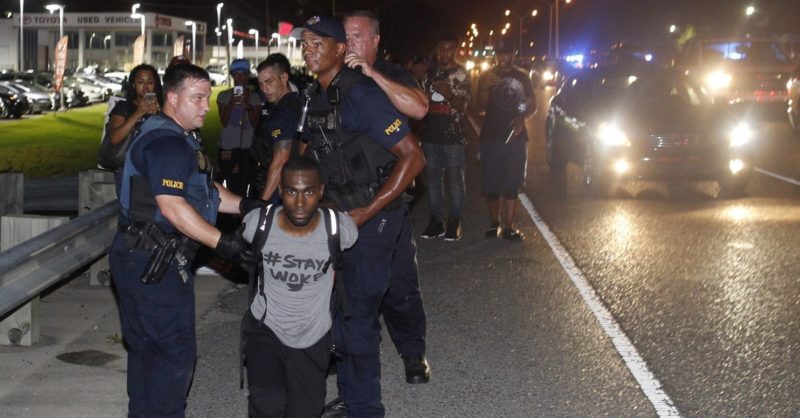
<point x="503" y="47"/>
<point x="326" y="26"/>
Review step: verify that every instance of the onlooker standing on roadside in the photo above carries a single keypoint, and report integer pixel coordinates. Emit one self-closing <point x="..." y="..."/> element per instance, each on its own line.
<point x="506" y="94"/>
<point x="143" y="98"/>
<point x="443" y="141"/>
<point x="239" y="112"/>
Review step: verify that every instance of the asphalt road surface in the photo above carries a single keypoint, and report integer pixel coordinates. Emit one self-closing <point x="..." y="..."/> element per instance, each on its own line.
<point x="660" y="300"/>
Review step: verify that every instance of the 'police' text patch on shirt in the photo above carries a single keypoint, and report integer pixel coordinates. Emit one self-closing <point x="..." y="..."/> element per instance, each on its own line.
<point x="172" y="184"/>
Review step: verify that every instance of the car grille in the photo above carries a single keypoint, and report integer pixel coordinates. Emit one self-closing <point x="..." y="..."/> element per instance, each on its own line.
<point x="678" y="141"/>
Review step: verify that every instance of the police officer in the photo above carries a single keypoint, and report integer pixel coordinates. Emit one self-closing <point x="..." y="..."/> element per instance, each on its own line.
<point x="368" y="157"/>
<point x="275" y="136"/>
<point x="402" y="309"/>
<point x="168" y="207"/>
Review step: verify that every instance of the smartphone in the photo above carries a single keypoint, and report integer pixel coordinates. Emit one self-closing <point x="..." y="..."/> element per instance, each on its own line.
<point x="238" y="90"/>
<point x="149" y="97"/>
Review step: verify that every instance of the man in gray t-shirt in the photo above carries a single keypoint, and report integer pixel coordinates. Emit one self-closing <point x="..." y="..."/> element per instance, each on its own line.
<point x="286" y="338"/>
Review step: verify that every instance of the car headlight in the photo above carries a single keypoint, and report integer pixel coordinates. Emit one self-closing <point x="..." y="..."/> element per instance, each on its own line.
<point x="484" y="66"/>
<point x="718" y="80"/>
<point x="612" y="136"/>
<point x="548" y="75"/>
<point x="469" y="65"/>
<point x="740" y="135"/>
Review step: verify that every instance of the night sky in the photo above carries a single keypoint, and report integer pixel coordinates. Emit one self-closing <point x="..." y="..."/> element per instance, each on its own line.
<point x="411" y="27"/>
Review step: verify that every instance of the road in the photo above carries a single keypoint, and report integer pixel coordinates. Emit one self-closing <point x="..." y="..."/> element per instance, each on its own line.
<point x="672" y="302"/>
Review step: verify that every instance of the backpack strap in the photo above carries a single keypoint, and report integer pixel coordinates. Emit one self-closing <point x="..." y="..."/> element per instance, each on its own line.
<point x="339" y="301"/>
<point x="263" y="227"/>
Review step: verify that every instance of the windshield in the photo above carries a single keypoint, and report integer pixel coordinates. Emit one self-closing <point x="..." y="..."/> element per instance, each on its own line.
<point x="649" y="90"/>
<point x="745" y="52"/>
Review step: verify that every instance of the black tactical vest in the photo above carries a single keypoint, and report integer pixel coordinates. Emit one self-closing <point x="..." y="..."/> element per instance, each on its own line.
<point x="354" y="166"/>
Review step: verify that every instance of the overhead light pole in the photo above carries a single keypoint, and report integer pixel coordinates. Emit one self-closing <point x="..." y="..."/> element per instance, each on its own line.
<point x="255" y="32"/>
<point x="21" y="36"/>
<point x="217" y="29"/>
<point x="193" y="24"/>
<point x="139" y="16"/>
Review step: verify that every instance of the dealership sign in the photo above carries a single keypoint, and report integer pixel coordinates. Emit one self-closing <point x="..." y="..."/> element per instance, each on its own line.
<point x="106" y="20"/>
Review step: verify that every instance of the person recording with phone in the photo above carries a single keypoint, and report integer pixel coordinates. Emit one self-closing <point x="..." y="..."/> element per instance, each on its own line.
<point x="239" y="112"/>
<point x="143" y="98"/>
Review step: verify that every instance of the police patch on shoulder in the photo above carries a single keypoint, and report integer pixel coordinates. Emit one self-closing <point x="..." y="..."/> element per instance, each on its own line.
<point x="393" y="127"/>
<point x="172" y="184"/>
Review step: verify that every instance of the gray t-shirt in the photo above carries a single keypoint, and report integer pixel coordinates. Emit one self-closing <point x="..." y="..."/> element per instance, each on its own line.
<point x="298" y="293"/>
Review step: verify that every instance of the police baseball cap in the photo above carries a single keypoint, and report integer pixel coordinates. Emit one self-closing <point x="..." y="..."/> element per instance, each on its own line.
<point x="239" y="66"/>
<point x="326" y="26"/>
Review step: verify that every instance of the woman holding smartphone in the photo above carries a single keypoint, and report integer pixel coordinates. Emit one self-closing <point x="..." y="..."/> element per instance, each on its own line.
<point x="143" y="97"/>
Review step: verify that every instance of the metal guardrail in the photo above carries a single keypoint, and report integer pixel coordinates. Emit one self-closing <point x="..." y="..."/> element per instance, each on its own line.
<point x="31" y="267"/>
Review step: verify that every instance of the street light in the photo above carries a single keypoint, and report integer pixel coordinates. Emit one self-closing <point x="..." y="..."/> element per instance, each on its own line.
<point x="534" y="13"/>
<point x="193" y="24"/>
<point x="219" y="32"/>
<point x="107" y="39"/>
<point x="555" y="6"/>
<point x="255" y="32"/>
<point x="672" y="28"/>
<point x="135" y="15"/>
<point x="21" y="36"/>
<point x="749" y="10"/>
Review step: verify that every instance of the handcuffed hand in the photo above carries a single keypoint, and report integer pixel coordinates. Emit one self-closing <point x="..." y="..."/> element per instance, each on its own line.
<point x="233" y="247"/>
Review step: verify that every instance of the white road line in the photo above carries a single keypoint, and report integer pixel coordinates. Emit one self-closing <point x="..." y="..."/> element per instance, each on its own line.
<point x="647" y="381"/>
<point x="777" y="176"/>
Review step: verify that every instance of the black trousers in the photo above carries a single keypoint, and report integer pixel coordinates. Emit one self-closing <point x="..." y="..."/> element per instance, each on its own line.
<point x="284" y="381"/>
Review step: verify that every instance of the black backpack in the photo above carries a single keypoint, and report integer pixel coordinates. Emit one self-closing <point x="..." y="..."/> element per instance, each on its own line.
<point x="256" y="272"/>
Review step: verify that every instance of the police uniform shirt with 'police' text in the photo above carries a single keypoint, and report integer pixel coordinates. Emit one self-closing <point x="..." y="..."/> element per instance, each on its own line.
<point x="167" y="162"/>
<point x="366" y="109"/>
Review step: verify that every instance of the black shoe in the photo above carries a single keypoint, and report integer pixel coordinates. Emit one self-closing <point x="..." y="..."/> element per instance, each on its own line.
<point x="453" y="232"/>
<point x="512" y="234"/>
<point x="493" y="231"/>
<point x="417" y="370"/>
<point x="435" y="229"/>
<point x="335" y="409"/>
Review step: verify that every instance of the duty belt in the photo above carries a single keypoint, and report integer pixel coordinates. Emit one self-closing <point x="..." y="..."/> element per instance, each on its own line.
<point x="163" y="249"/>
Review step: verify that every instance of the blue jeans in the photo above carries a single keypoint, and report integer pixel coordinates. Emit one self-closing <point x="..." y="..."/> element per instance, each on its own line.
<point x="445" y="159"/>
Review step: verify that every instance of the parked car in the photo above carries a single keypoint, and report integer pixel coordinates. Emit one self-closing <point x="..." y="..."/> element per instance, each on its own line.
<point x="645" y="123"/>
<point x="739" y="70"/>
<point x="38" y="99"/>
<point x="93" y="93"/>
<point x="14" y="105"/>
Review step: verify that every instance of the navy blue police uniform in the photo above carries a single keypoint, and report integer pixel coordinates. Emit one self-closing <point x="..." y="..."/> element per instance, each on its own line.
<point x="358" y="133"/>
<point x="403" y="310"/>
<point x="158" y="317"/>
<point x="278" y="123"/>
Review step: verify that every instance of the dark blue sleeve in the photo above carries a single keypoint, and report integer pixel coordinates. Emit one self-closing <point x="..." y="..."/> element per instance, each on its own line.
<point x="170" y="162"/>
<point x="368" y="110"/>
<point x="282" y="124"/>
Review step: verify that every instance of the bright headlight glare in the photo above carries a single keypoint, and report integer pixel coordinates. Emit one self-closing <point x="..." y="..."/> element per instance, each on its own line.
<point x="469" y="65"/>
<point x="610" y="135"/>
<point x="718" y="80"/>
<point x="547" y="75"/>
<point x="484" y="66"/>
<point x="740" y="135"/>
